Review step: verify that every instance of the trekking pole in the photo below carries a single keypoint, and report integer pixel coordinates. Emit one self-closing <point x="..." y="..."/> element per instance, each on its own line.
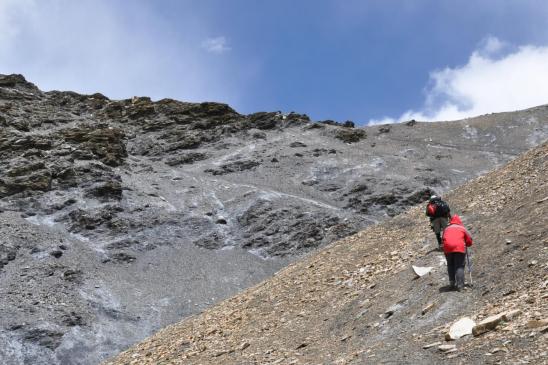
<point x="468" y="262"/>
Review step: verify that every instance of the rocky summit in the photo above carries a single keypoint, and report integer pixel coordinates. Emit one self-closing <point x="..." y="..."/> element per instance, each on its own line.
<point x="119" y="217"/>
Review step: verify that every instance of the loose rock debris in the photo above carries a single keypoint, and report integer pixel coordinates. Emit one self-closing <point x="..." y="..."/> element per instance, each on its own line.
<point x="393" y="327"/>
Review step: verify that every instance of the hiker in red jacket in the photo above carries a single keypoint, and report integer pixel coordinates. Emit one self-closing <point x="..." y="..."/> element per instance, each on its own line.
<point x="455" y="240"/>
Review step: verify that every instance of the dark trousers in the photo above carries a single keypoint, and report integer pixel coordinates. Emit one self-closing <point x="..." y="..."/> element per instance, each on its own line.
<point x="438" y="237"/>
<point x="438" y="225"/>
<point x="455" y="268"/>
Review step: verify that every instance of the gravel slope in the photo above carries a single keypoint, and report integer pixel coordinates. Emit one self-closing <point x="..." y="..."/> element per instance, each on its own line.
<point x="357" y="300"/>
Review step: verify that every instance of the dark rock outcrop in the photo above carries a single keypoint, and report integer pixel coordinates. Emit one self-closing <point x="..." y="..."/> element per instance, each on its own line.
<point x="43" y="337"/>
<point x="104" y="142"/>
<point x="350" y="135"/>
<point x="236" y="166"/>
<point x="186" y="158"/>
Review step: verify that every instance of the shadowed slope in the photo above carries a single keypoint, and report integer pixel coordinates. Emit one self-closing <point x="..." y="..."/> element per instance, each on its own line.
<point x="358" y="301"/>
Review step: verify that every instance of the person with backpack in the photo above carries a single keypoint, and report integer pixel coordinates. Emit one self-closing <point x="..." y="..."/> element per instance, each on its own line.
<point x="455" y="241"/>
<point x="438" y="211"/>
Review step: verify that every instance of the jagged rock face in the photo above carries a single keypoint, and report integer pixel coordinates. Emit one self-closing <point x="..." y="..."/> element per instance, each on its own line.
<point x="98" y="196"/>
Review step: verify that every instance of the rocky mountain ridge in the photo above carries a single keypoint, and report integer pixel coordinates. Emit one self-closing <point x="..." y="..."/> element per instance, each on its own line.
<point x="101" y="200"/>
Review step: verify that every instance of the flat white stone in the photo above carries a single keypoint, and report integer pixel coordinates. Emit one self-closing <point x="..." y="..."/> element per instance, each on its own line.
<point x="460" y="328"/>
<point x="421" y="270"/>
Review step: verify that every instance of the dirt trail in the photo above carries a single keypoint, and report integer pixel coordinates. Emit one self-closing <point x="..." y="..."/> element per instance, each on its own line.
<point x="357" y="301"/>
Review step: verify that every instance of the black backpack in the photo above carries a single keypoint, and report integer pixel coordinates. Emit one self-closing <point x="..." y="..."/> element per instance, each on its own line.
<point x="442" y="209"/>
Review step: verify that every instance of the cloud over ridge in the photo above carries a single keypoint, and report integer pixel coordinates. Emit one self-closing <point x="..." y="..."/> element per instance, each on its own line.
<point x="496" y="78"/>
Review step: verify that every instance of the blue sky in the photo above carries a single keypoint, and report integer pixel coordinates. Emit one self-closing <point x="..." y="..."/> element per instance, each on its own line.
<point x="342" y="60"/>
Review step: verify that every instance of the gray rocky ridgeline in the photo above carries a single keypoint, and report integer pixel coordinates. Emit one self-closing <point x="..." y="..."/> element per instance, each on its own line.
<point x="118" y="217"/>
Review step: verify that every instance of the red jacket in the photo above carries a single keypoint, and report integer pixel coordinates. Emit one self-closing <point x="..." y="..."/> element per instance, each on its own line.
<point x="455" y="237"/>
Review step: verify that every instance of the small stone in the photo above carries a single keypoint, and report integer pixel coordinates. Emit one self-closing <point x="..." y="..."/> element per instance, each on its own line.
<point x="296" y="144"/>
<point x="364" y="303"/>
<point x="533" y="263"/>
<point x="508" y="316"/>
<point x="361" y="314"/>
<point x="56" y="253"/>
<point x="431" y="345"/>
<point x="447" y="348"/>
<point x="393" y="309"/>
<point x="488" y="324"/>
<point x="220" y="353"/>
<point x="537" y="323"/>
<point x="427" y="308"/>
<point x="508" y="241"/>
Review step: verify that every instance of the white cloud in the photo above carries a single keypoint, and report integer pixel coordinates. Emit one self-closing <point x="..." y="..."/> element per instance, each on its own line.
<point x="216" y="45"/>
<point x="488" y="83"/>
<point x="119" y="50"/>
<point x="491" y="46"/>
